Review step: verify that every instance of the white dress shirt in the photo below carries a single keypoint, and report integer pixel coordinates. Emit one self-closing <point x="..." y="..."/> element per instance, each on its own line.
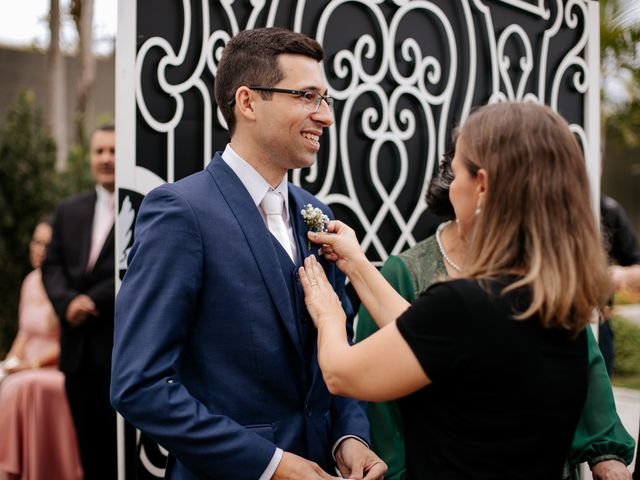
<point x="257" y="187"/>
<point x="103" y="218"/>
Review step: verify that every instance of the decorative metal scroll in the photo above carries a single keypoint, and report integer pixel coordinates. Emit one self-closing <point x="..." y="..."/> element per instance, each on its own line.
<point x="404" y="74"/>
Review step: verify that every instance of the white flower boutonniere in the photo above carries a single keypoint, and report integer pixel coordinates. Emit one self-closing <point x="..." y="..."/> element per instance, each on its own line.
<point x="315" y="219"/>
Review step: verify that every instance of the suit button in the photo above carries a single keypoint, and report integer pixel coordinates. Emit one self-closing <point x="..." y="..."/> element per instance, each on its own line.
<point x="307" y="410"/>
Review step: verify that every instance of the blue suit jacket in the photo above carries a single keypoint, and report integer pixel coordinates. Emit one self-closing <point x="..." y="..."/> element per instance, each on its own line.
<point x="208" y="357"/>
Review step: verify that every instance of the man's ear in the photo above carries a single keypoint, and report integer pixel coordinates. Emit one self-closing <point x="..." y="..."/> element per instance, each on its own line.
<point x="245" y="103"/>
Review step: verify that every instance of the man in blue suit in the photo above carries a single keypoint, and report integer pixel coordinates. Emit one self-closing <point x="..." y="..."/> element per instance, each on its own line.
<point x="215" y="355"/>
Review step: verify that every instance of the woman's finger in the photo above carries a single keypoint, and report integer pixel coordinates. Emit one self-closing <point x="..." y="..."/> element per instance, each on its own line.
<point x="331" y="257"/>
<point x="316" y="274"/>
<point x="304" y="278"/>
<point x="321" y="237"/>
<point x="312" y="273"/>
<point x="309" y="267"/>
<point x="335" y="226"/>
<point x="326" y="248"/>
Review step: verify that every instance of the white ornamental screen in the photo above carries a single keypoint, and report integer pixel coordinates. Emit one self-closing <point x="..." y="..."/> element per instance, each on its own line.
<point x="404" y="73"/>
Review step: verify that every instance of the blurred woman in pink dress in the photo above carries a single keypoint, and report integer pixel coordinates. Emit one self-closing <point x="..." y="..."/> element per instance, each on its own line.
<point x="37" y="439"/>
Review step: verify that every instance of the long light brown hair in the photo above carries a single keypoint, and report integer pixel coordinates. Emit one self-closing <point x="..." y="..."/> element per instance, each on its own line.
<point x="536" y="217"/>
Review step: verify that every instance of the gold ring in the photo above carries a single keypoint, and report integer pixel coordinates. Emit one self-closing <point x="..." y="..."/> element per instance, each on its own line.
<point x="313" y="284"/>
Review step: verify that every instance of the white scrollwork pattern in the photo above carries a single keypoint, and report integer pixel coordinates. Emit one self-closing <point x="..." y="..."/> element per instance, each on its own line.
<point x="399" y="94"/>
<point x="512" y="60"/>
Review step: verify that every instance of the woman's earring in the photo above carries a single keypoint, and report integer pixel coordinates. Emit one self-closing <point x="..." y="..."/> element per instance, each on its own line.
<point x="478" y="210"/>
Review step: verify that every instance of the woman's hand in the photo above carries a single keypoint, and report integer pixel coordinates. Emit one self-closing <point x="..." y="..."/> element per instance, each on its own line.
<point x="9" y="364"/>
<point x="322" y="301"/>
<point x="382" y="367"/>
<point x="18" y="368"/>
<point x="15" y="365"/>
<point x="339" y="245"/>
<point x="610" y="470"/>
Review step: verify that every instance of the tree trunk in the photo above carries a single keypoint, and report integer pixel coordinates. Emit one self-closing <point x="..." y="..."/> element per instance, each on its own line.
<point x="83" y="14"/>
<point x="57" y="101"/>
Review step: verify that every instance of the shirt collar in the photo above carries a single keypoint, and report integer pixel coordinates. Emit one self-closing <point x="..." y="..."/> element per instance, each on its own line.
<point x="255" y="183"/>
<point x="103" y="195"/>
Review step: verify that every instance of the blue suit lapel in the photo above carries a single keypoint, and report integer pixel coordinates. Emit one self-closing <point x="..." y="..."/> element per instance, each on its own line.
<point x="259" y="242"/>
<point x="296" y="204"/>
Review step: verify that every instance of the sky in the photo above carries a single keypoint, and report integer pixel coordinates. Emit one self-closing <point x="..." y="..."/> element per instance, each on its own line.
<point x="24" y="23"/>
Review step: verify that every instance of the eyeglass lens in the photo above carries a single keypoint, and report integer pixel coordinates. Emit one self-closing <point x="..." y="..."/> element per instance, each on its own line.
<point x="312" y="100"/>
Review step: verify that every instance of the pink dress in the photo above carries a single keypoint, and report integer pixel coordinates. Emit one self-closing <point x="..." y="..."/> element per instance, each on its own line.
<point x="37" y="437"/>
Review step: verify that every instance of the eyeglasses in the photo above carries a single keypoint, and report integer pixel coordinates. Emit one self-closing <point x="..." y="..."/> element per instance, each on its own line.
<point x="310" y="99"/>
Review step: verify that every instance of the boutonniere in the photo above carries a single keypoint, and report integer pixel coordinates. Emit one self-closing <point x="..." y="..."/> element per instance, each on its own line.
<point x="315" y="219"/>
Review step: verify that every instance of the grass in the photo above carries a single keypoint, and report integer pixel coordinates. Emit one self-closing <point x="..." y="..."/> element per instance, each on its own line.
<point x="627" y="348"/>
<point x="626" y="297"/>
<point x="627" y="381"/>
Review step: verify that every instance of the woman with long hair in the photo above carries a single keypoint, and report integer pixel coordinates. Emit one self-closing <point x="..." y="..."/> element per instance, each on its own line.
<point x="492" y="365"/>
<point x="600" y="438"/>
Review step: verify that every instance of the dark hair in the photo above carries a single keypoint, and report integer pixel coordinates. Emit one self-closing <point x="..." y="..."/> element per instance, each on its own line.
<point x="47" y="219"/>
<point x="251" y="58"/>
<point x="109" y="127"/>
<point x="437" y="197"/>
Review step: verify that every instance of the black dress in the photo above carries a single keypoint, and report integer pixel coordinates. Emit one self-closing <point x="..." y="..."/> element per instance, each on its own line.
<point x="506" y="394"/>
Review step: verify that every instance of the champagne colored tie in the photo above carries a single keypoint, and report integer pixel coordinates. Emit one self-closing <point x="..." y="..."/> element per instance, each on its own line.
<point x="272" y="205"/>
<point x="101" y="231"/>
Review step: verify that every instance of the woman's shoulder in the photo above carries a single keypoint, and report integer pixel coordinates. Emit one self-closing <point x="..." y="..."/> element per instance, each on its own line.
<point x="474" y="295"/>
<point x="421" y="250"/>
<point x="33" y="280"/>
<point x="424" y="263"/>
<point x="463" y="285"/>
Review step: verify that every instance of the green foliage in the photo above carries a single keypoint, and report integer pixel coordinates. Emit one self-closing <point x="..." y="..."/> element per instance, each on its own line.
<point x="77" y="177"/>
<point x="620" y="31"/>
<point x="620" y="105"/>
<point x="620" y="54"/>
<point x="29" y="190"/>
<point x="623" y="126"/>
<point x="627" y="347"/>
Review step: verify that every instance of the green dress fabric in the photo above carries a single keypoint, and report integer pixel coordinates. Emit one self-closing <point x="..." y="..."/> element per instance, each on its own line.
<point x="599" y="435"/>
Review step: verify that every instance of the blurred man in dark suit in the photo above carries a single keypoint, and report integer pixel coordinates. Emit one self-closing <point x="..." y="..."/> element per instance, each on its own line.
<point x="79" y="276"/>
<point x="623" y="249"/>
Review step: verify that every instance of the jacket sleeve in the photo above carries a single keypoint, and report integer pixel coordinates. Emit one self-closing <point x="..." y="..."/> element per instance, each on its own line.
<point x="102" y="293"/>
<point x="55" y="277"/>
<point x="395" y="272"/>
<point x="620" y="239"/>
<point x="154" y="311"/>
<point x="103" y="282"/>
<point x="387" y="435"/>
<point x="600" y="434"/>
